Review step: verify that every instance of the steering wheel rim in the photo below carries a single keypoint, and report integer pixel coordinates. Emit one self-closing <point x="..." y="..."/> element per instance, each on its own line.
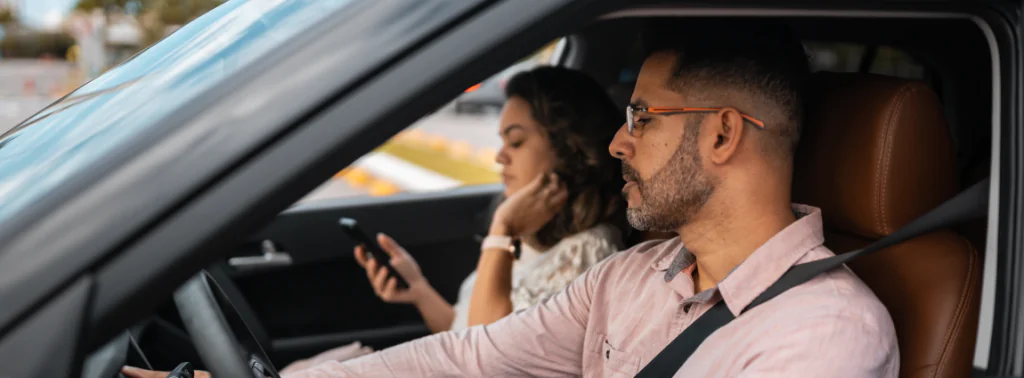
<point x="203" y="307"/>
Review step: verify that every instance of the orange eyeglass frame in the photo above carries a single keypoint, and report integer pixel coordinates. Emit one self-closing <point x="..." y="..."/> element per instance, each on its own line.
<point x="630" y="110"/>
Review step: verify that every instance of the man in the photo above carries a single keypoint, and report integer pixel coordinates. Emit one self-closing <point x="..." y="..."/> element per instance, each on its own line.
<point x="707" y="152"/>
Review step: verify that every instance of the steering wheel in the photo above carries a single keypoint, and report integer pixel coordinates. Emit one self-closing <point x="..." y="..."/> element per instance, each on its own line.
<point x="223" y="340"/>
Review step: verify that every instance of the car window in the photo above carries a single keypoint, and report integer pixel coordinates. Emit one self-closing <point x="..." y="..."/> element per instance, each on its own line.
<point x="43" y="152"/>
<point x="852" y="57"/>
<point x="455" y="146"/>
<point x="452" y="147"/>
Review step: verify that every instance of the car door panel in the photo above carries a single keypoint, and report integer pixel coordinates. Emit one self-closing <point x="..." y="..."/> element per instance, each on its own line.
<point x="323" y="299"/>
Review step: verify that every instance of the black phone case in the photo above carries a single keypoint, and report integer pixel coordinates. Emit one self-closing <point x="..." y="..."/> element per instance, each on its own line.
<point x="351" y="226"/>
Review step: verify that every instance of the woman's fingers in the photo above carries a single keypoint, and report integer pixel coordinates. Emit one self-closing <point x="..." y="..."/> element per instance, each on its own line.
<point x="557" y="194"/>
<point x="554" y="184"/>
<point x="371" y="269"/>
<point x="379" y="280"/>
<point x="390" y="246"/>
<point x="360" y="254"/>
<point x="554" y="193"/>
<point x="371" y="264"/>
<point x="556" y="200"/>
<point x="537" y="184"/>
<point x="390" y="287"/>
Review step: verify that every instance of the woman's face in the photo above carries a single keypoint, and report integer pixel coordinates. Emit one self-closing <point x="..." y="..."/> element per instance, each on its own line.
<point x="525" y="151"/>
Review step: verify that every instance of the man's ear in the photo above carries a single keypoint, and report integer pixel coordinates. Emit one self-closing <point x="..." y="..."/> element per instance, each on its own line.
<point x="727" y="130"/>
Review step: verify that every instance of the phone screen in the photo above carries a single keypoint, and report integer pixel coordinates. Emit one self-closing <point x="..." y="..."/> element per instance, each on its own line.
<point x="351" y="226"/>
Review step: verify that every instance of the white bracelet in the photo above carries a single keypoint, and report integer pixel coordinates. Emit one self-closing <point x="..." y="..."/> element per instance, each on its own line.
<point x="503" y="243"/>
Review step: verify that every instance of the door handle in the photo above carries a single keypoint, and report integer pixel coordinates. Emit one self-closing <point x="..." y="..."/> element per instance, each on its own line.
<point x="271" y="258"/>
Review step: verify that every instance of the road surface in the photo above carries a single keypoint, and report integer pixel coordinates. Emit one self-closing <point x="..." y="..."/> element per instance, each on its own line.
<point x="479" y="131"/>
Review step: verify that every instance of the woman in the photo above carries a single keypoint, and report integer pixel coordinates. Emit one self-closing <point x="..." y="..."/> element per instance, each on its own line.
<point x="562" y="201"/>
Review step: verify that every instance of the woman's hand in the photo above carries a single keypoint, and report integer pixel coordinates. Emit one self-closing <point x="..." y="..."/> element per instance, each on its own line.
<point x="387" y="287"/>
<point x="437" y="313"/>
<point x="525" y="212"/>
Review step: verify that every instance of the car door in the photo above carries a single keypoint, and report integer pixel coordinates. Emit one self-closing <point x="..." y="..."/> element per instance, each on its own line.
<point x="322" y="298"/>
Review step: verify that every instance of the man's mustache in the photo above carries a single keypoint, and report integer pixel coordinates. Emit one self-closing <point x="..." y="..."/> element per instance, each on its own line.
<point x="630" y="173"/>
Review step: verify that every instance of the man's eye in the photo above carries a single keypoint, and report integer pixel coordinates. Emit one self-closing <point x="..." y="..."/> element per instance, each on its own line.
<point x="516" y="144"/>
<point x="641" y="121"/>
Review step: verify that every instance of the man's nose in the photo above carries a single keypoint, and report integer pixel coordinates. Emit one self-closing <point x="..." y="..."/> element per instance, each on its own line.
<point x="622" y="145"/>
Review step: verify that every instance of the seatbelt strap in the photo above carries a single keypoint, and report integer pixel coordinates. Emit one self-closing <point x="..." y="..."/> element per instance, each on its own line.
<point x="969" y="204"/>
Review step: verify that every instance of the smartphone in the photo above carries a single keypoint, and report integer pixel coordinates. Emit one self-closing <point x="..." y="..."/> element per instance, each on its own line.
<point x="351" y="226"/>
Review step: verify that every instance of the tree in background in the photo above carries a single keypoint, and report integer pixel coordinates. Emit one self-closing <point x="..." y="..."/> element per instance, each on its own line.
<point x="171" y="12"/>
<point x="19" y="41"/>
<point x="6" y="16"/>
<point x="155" y="16"/>
<point x="35" y="45"/>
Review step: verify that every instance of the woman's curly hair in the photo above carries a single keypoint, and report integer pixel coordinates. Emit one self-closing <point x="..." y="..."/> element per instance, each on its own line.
<point x="580" y="120"/>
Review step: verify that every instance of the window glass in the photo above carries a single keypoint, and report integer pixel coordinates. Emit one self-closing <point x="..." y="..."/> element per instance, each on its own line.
<point x="82" y="128"/>
<point x="850" y="57"/>
<point x="452" y="147"/>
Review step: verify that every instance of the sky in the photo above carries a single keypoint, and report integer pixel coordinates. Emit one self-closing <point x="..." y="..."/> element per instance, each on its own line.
<point x="47" y="14"/>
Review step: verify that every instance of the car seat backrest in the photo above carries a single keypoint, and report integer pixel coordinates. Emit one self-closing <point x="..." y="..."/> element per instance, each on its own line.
<point x="875" y="154"/>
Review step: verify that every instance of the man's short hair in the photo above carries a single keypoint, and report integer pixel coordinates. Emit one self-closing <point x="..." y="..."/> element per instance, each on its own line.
<point x="722" y="59"/>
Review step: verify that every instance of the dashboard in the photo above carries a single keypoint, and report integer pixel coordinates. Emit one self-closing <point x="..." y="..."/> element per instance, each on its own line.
<point x="106" y="362"/>
<point x="157" y="343"/>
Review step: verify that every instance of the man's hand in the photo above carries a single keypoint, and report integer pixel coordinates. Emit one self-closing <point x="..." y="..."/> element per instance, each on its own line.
<point x="134" y="372"/>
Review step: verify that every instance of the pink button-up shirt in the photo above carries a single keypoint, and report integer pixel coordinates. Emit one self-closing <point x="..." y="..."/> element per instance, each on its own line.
<point x="617" y="316"/>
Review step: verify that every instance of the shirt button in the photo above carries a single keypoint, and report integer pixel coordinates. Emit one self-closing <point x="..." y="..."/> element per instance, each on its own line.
<point x="608" y="354"/>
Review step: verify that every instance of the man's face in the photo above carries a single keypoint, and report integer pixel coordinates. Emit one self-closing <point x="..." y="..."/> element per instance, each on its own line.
<point x="666" y="183"/>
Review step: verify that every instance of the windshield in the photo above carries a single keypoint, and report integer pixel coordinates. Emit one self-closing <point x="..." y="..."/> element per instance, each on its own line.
<point x="44" y="151"/>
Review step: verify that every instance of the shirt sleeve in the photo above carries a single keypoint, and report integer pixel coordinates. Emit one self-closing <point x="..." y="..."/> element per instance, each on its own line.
<point x="544" y="341"/>
<point x="836" y="346"/>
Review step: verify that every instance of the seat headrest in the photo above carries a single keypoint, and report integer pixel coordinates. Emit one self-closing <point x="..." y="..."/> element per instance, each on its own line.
<point x="875" y="152"/>
<point x="620" y="93"/>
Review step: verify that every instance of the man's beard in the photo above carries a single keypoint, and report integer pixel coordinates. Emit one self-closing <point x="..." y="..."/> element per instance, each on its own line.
<point x="672" y="197"/>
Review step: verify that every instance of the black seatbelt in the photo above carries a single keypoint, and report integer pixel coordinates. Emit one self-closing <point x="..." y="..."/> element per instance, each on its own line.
<point x="969" y="204"/>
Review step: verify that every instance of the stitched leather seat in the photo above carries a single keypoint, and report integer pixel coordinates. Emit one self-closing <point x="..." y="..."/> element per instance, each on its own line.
<point x="876" y="153"/>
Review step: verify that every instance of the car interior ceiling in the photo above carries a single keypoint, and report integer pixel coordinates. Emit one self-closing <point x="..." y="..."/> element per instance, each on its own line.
<point x="957" y="67"/>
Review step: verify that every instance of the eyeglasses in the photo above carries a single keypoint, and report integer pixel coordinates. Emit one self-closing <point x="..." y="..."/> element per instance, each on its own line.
<point x="632" y="110"/>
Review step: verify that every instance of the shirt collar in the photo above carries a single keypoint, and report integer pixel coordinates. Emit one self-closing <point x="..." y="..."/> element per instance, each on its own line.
<point x="662" y="263"/>
<point x="766" y="264"/>
<point x="772" y="259"/>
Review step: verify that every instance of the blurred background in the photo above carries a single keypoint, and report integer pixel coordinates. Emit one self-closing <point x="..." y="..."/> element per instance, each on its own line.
<point x="50" y="47"/>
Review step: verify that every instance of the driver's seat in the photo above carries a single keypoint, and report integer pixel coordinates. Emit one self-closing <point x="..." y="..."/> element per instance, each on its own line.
<point x="876" y="153"/>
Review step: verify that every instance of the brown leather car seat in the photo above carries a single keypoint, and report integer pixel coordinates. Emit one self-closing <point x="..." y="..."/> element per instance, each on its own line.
<point x="875" y="154"/>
